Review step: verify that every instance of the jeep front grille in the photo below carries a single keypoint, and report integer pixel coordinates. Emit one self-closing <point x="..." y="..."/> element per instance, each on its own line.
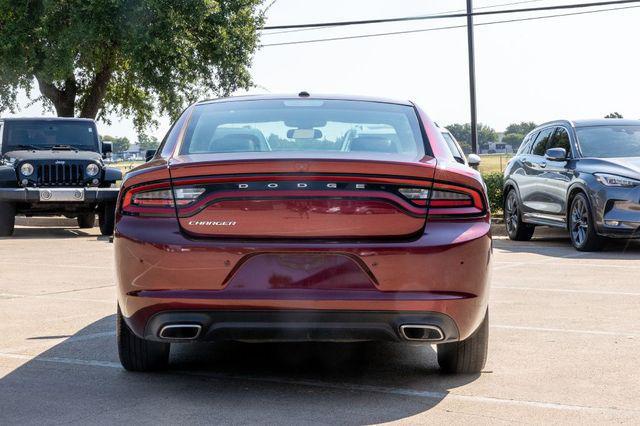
<point x="60" y="174"/>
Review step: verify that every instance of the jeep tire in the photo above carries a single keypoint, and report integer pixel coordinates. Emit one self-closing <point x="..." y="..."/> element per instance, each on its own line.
<point x="86" y="220"/>
<point x="7" y="219"/>
<point x="107" y="218"/>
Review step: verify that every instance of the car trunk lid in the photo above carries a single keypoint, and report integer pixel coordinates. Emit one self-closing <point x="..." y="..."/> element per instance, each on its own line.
<point x="299" y="198"/>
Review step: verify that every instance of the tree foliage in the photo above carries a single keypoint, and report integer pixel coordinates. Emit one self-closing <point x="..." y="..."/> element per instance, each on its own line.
<point x="521" y="128"/>
<point x="513" y="139"/>
<point x="119" y="144"/>
<point x="614" y="115"/>
<point x="134" y="58"/>
<point x="462" y="132"/>
<point x="146" y="142"/>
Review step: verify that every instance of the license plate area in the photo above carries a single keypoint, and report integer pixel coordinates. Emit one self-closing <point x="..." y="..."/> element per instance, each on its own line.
<point x="61" y="195"/>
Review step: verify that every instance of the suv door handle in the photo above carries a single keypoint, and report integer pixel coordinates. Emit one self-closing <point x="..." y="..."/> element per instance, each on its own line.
<point x="543" y="164"/>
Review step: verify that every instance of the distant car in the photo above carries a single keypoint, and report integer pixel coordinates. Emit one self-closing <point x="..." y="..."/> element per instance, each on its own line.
<point x="582" y="175"/>
<point x="353" y="223"/>
<point x="55" y="167"/>
<point x="472" y="160"/>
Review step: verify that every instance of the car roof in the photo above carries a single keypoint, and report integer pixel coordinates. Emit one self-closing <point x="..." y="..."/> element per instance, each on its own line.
<point x="47" y="119"/>
<point x="591" y="122"/>
<point x="310" y="96"/>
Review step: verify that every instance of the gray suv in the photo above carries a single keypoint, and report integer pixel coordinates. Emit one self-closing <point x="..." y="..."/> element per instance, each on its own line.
<point x="581" y="175"/>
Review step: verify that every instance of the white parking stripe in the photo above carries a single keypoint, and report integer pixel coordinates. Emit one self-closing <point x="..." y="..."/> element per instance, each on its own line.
<point x="567" y="290"/>
<point x="342" y="386"/>
<point x="54" y="265"/>
<point x="572" y="264"/>
<point x="565" y="330"/>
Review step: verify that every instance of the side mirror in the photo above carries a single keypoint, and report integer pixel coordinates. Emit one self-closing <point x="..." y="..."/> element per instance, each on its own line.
<point x="556" y="154"/>
<point x="107" y="148"/>
<point x="473" y="160"/>
<point x="149" y="154"/>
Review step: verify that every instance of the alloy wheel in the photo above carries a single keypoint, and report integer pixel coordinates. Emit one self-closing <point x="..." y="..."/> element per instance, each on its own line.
<point x="511" y="213"/>
<point x="579" y="222"/>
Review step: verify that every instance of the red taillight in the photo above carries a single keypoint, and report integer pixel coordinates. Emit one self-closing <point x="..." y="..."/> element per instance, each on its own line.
<point x="452" y="200"/>
<point x="158" y="199"/>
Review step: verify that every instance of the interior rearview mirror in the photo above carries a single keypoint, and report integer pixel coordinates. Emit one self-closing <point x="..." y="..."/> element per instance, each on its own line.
<point x="304" y="134"/>
<point x="556" y="154"/>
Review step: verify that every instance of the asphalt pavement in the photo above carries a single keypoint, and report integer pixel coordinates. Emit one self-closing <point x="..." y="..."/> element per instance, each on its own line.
<point x="564" y="348"/>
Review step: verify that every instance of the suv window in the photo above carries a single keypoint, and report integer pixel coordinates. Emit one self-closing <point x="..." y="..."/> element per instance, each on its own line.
<point x="560" y="139"/>
<point x="540" y="145"/>
<point x="526" y="143"/>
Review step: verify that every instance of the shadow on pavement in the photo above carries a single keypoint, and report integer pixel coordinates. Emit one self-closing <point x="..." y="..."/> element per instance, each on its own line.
<point x="556" y="243"/>
<point x="80" y="380"/>
<point x="51" y="227"/>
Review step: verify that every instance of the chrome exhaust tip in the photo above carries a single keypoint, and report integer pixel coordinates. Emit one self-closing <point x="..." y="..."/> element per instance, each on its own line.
<point x="421" y="333"/>
<point x="180" y="331"/>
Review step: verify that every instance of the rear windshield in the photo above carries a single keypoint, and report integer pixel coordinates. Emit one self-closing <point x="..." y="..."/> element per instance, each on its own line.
<point x="609" y="141"/>
<point x="336" y="127"/>
<point x="38" y="134"/>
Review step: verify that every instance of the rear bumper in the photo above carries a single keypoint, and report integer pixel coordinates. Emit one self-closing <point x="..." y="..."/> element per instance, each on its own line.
<point x="32" y="195"/>
<point x="162" y="274"/>
<point x="301" y="325"/>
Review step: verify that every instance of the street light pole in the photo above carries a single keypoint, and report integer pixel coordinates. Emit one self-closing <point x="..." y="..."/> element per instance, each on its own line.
<point x="472" y="78"/>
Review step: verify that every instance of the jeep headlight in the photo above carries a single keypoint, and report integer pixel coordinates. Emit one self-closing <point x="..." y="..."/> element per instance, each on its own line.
<point x="615" y="180"/>
<point x="92" y="170"/>
<point x="26" y="169"/>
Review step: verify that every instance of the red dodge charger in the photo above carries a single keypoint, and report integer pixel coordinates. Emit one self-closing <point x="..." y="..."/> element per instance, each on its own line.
<point x="303" y="218"/>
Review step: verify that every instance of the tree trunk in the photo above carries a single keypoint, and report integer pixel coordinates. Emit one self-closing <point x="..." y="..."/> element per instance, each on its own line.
<point x="92" y="101"/>
<point x="63" y="100"/>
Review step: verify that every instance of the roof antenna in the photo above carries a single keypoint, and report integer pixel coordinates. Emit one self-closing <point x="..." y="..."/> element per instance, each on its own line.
<point x="304" y="94"/>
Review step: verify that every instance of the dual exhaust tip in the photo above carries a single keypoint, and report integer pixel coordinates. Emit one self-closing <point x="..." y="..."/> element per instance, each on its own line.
<point x="411" y="332"/>
<point x="421" y="333"/>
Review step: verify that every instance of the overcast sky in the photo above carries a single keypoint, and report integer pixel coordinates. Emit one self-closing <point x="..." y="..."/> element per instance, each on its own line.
<point x="576" y="67"/>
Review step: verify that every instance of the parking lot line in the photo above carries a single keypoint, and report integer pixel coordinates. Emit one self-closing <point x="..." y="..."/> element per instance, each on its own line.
<point x="351" y="387"/>
<point x="564" y="330"/>
<point x="568" y="290"/>
<point x="53" y="265"/>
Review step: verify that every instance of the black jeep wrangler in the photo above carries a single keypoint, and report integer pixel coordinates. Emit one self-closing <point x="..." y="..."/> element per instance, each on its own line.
<point x="53" y="167"/>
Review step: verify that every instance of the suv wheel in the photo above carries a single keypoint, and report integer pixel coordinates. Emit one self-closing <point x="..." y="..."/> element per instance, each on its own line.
<point x="466" y="356"/>
<point x="86" y="220"/>
<point x="7" y="219"/>
<point x="107" y="218"/>
<point x="516" y="228"/>
<point x="137" y="354"/>
<point x="581" y="226"/>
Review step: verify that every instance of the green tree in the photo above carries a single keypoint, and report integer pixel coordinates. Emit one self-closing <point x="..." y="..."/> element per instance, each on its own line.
<point x="135" y="58"/>
<point x="146" y="142"/>
<point x="513" y="139"/>
<point x="521" y="128"/>
<point x="119" y="144"/>
<point x="614" y="115"/>
<point x="462" y="132"/>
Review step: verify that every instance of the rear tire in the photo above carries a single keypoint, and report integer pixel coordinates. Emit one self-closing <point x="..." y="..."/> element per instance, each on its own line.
<point x="107" y="218"/>
<point x="7" y="219"/>
<point x="87" y="220"/>
<point x="466" y="356"/>
<point x="137" y="354"/>
<point x="516" y="228"/>
<point x="581" y="226"/>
